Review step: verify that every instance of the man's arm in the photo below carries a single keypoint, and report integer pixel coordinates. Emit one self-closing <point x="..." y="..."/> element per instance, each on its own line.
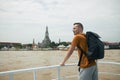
<point x="70" y="51"/>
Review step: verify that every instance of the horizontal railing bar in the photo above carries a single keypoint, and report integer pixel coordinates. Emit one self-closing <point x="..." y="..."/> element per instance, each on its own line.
<point x="109" y="73"/>
<point x="106" y="73"/>
<point x="106" y="62"/>
<point x="48" y="67"/>
<point x="28" y="69"/>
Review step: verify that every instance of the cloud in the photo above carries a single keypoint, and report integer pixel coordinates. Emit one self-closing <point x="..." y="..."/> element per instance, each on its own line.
<point x="53" y="10"/>
<point x="59" y="15"/>
<point x="3" y="10"/>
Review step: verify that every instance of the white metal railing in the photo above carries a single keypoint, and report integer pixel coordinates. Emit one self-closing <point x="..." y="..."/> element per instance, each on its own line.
<point x="11" y="73"/>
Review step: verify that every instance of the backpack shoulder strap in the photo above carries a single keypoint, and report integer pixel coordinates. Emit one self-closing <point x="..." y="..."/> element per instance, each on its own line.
<point x="82" y="52"/>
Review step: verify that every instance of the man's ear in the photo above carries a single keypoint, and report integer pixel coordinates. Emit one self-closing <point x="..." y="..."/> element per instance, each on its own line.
<point x="80" y="30"/>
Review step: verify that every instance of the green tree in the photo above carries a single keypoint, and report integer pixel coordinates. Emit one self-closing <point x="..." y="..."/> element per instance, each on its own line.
<point x="18" y="46"/>
<point x="64" y="43"/>
<point x="1" y="46"/>
<point x="53" y="44"/>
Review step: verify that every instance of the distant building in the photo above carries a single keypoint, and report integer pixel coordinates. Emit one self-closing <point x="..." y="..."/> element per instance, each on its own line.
<point x="45" y="43"/>
<point x="34" y="46"/>
<point x="8" y="45"/>
<point x="61" y="47"/>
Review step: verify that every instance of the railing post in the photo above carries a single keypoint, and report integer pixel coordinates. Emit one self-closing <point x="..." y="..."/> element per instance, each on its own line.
<point x="11" y="76"/>
<point x="34" y="75"/>
<point x="58" y="73"/>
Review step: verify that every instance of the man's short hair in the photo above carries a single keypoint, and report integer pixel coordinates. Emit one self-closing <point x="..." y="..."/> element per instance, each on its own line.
<point x="79" y="25"/>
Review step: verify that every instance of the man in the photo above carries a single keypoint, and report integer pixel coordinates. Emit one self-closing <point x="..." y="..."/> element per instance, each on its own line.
<point x="88" y="69"/>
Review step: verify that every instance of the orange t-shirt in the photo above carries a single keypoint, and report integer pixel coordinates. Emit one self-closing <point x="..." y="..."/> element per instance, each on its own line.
<point x="80" y="40"/>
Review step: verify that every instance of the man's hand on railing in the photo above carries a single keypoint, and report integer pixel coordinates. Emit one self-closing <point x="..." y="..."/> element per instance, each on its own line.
<point x="62" y="64"/>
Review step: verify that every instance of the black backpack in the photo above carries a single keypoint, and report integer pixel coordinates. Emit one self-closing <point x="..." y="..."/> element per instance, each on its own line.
<point x="95" y="47"/>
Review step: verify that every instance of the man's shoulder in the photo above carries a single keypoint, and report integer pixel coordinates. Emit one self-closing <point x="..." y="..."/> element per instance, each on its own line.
<point x="82" y="35"/>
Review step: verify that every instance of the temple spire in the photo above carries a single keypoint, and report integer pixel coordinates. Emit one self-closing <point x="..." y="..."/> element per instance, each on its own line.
<point x="33" y="44"/>
<point x="46" y="33"/>
<point x="45" y="43"/>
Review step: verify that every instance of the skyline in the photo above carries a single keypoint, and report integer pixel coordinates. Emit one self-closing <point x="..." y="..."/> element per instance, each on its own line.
<point x="25" y="20"/>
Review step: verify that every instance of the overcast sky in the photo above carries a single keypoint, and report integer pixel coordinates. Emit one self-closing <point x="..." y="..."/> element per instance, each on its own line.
<point x="23" y="20"/>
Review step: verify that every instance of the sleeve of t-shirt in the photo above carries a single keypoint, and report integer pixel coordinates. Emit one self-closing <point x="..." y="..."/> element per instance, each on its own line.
<point x="75" y="41"/>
